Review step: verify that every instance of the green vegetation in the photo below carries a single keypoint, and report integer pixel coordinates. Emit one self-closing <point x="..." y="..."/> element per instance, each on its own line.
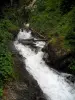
<point x="6" y="62"/>
<point x="56" y="20"/>
<point x="7" y="27"/>
<point x="45" y="16"/>
<point x="11" y="19"/>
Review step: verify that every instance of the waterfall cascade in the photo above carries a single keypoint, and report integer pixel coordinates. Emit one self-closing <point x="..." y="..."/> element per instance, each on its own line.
<point x="53" y="85"/>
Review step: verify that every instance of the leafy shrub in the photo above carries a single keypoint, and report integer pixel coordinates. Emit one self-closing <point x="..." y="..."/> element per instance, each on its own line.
<point x="71" y="40"/>
<point x="45" y="16"/>
<point x="6" y="61"/>
<point x="1" y="92"/>
<point x="56" y="20"/>
<point x="72" y="65"/>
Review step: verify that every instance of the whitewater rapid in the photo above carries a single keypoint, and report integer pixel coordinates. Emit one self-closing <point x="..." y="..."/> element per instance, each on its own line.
<point x="51" y="83"/>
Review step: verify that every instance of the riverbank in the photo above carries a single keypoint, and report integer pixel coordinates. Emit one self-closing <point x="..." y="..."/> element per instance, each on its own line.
<point x="10" y="22"/>
<point x="43" y="19"/>
<point x="24" y="87"/>
<point x="47" y="78"/>
<point x="55" y="22"/>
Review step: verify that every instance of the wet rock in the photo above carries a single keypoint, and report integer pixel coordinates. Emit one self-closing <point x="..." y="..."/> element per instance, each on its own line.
<point x="71" y="78"/>
<point x="59" y="62"/>
<point x="51" y="54"/>
<point x="24" y="87"/>
<point x="27" y="42"/>
<point x="14" y="32"/>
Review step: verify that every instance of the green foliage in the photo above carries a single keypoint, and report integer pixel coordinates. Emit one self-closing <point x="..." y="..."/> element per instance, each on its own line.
<point x="1" y="92"/>
<point x="16" y="15"/>
<point x="1" y="87"/>
<point x="45" y="16"/>
<point x="72" y="65"/>
<point x="6" y="61"/>
<point x="56" y="20"/>
<point x="12" y="18"/>
<point x="6" y="24"/>
<point x="71" y="40"/>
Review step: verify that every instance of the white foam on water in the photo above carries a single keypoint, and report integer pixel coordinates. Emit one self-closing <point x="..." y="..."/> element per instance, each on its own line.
<point x="24" y="34"/>
<point x="52" y="84"/>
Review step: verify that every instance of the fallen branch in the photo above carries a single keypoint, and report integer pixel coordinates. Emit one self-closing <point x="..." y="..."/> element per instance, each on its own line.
<point x="32" y="40"/>
<point x="30" y="5"/>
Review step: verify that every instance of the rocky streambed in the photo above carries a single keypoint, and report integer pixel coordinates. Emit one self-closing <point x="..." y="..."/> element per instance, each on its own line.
<point x="24" y="87"/>
<point x="34" y="81"/>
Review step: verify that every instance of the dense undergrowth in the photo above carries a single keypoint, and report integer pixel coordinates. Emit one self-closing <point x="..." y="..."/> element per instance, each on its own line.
<point x="12" y="17"/>
<point x="55" y="19"/>
<point x="7" y="27"/>
<point x="6" y="62"/>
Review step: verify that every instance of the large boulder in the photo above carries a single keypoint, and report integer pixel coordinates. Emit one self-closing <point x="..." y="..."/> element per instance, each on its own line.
<point x="59" y="62"/>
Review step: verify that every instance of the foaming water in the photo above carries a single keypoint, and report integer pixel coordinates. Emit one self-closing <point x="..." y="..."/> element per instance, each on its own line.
<point x="21" y="35"/>
<point x="51" y="83"/>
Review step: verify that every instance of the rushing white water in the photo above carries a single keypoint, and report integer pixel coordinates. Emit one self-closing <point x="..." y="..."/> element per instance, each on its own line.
<point x="52" y="84"/>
